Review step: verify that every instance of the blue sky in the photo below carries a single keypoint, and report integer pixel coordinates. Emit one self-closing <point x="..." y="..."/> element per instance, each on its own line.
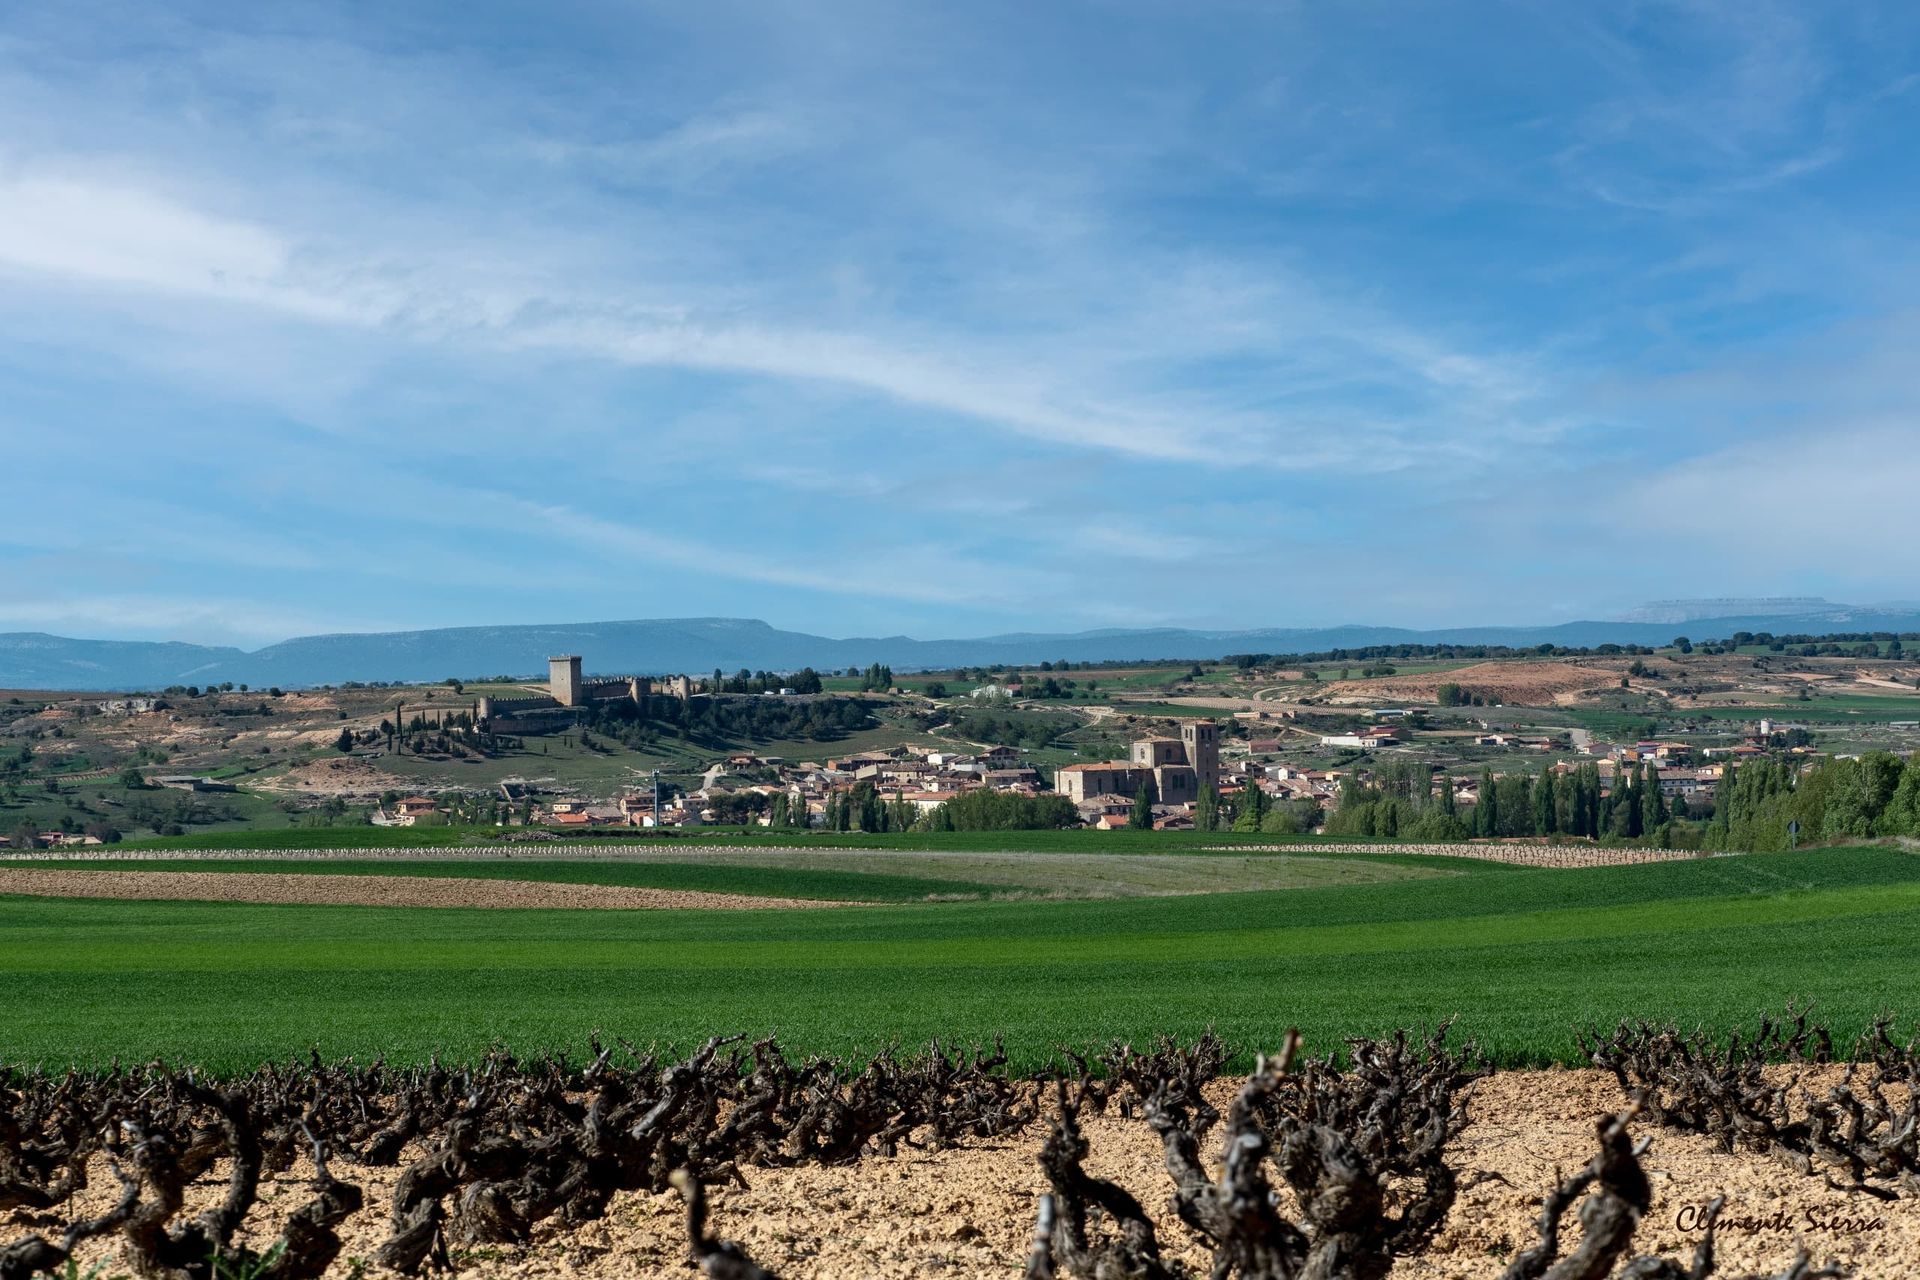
<point x="949" y="319"/>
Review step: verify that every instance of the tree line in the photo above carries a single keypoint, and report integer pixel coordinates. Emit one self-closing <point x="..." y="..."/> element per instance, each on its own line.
<point x="867" y="808"/>
<point x="1400" y="801"/>
<point x="1769" y="804"/>
<point x="715" y="721"/>
<point x="805" y="680"/>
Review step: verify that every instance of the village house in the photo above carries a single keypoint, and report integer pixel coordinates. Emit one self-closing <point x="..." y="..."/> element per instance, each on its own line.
<point x="927" y="801"/>
<point x="1094" y="808"/>
<point x="1689" y="783"/>
<point x="405" y="813"/>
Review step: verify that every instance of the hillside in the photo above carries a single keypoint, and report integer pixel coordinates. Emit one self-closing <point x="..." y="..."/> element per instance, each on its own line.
<point x="33" y="660"/>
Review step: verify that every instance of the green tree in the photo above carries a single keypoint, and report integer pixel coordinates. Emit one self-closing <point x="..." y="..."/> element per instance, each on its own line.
<point x="1280" y="821"/>
<point x="987" y="810"/>
<point x="1206" y="810"/>
<point x="1253" y="808"/>
<point x="1486" y="808"/>
<point x="1653" y="805"/>
<point x="1902" y="814"/>
<point x="344" y="742"/>
<point x="1545" y="805"/>
<point x="1515" y="810"/>
<point x="1142" y="817"/>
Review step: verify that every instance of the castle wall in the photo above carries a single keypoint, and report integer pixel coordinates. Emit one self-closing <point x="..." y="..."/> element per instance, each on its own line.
<point x="494" y="708"/>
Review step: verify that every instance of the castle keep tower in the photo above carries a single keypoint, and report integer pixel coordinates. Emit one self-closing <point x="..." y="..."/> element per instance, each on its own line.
<point x="563" y="679"/>
<point x="1202" y="741"/>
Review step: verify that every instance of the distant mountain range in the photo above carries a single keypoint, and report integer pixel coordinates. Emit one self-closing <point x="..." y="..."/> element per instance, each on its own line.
<point x="31" y="660"/>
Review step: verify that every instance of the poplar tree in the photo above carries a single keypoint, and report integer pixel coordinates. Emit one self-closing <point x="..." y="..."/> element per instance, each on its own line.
<point x="1253" y="809"/>
<point x="1653" y="807"/>
<point x="1142" y="816"/>
<point x="1545" y="817"/>
<point x="1206" y="810"/>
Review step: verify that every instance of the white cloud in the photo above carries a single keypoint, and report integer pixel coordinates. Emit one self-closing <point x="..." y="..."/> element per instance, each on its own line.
<point x="1121" y="384"/>
<point x="926" y="573"/>
<point x="1838" y="502"/>
<point x="204" y="620"/>
<point x="111" y="234"/>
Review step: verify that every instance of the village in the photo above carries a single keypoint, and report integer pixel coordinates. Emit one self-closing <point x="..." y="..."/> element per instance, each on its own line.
<point x="1170" y="773"/>
<point x="1275" y="748"/>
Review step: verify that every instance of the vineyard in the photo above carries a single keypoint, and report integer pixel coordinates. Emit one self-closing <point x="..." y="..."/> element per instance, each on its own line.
<point x="1344" y="1166"/>
<point x="462" y="1116"/>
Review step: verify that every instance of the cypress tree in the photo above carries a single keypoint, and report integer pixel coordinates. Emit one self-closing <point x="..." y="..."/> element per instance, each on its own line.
<point x="1253" y="807"/>
<point x="1627" y="801"/>
<point x="1543" y="804"/>
<point x="1653" y="806"/>
<point x="1142" y="817"/>
<point x="1206" y="810"/>
<point x="1486" y="813"/>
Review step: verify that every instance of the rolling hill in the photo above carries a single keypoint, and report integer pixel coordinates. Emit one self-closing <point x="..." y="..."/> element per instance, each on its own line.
<point x="33" y="660"/>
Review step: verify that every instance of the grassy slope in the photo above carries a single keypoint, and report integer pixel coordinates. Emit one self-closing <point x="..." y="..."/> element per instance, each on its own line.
<point x="1074" y="840"/>
<point x="863" y="876"/>
<point x="1521" y="955"/>
<point x="827" y="884"/>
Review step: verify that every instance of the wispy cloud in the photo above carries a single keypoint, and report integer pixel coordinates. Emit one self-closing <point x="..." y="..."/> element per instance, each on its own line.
<point x="915" y="314"/>
<point x="214" y="619"/>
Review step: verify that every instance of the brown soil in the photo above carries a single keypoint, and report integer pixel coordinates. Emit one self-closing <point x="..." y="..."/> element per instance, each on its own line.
<point x="346" y="776"/>
<point x="369" y="891"/>
<point x="968" y="1213"/>
<point x="1525" y="684"/>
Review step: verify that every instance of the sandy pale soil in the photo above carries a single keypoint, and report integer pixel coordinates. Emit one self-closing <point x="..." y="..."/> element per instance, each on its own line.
<point x="969" y="1212"/>
<point x="369" y="891"/>
<point x="1530" y="684"/>
<point x="1525" y="855"/>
